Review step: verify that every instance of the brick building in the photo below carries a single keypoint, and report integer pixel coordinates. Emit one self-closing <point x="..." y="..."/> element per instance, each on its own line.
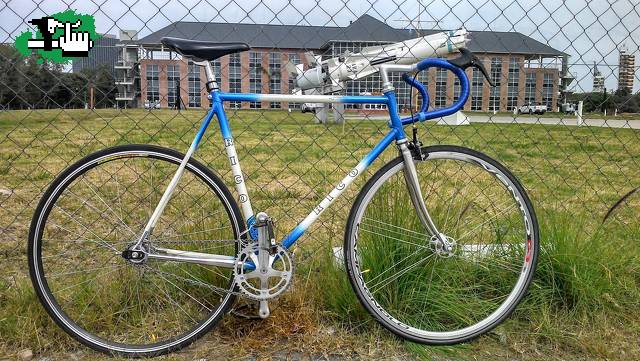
<point x="525" y="70"/>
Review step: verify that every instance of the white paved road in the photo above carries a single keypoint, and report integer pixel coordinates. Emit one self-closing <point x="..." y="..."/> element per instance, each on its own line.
<point x="569" y="120"/>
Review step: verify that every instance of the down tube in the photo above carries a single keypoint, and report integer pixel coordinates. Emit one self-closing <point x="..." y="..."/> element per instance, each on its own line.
<point x="337" y="191"/>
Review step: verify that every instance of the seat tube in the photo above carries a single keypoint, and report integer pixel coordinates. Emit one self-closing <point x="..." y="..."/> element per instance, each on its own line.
<point x="229" y="145"/>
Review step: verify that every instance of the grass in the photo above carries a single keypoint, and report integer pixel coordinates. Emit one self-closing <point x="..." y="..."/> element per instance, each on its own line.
<point x="583" y="303"/>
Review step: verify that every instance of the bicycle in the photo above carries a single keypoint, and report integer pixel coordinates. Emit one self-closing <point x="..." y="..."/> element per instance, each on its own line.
<point x="127" y="274"/>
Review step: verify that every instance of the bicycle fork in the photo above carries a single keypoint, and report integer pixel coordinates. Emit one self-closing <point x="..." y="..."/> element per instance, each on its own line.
<point x="413" y="185"/>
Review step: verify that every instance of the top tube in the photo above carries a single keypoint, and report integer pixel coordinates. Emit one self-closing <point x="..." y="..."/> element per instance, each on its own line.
<point x="307" y="98"/>
<point x="422" y="115"/>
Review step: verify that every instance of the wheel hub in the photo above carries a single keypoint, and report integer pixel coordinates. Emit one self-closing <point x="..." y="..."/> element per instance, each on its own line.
<point x="135" y="255"/>
<point x="444" y="246"/>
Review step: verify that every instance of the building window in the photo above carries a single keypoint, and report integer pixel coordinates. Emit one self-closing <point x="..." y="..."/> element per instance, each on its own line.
<point x="255" y="76"/>
<point x="403" y="91"/>
<point x="530" y="88"/>
<point x="496" y="72"/>
<point x="441" y="88"/>
<point x="235" y="78"/>
<point x="173" y="82"/>
<point x="547" y="91"/>
<point x="217" y="71"/>
<point x="422" y="77"/>
<point x="153" y="85"/>
<point x="339" y="48"/>
<point x="477" y="83"/>
<point x="295" y="60"/>
<point x="456" y="89"/>
<point x="194" y="85"/>
<point x="275" y="78"/>
<point x="512" y="84"/>
<point x="365" y="86"/>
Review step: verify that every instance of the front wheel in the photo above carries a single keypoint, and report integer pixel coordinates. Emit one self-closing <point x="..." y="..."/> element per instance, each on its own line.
<point x="410" y="283"/>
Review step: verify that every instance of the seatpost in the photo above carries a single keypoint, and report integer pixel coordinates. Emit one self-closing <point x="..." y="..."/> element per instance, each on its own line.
<point x="211" y="78"/>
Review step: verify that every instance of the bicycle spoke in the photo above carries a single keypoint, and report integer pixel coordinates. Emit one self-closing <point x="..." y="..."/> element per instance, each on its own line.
<point x="418" y="282"/>
<point x="98" y="213"/>
<point x="381" y="284"/>
<point x="110" y="209"/>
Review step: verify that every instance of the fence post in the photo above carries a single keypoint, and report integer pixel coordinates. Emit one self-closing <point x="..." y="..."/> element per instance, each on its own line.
<point x="580" y="120"/>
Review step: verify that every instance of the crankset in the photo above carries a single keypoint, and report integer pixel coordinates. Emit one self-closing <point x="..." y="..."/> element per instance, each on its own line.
<point x="264" y="269"/>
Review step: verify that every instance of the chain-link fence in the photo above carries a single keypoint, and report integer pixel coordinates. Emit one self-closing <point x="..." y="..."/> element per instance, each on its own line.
<point x="564" y="116"/>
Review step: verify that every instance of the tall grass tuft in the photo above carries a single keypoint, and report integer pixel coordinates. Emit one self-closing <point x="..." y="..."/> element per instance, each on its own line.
<point x="587" y="272"/>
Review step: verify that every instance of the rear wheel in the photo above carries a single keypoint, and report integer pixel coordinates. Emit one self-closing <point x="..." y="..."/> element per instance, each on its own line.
<point x="405" y="278"/>
<point x="93" y="212"/>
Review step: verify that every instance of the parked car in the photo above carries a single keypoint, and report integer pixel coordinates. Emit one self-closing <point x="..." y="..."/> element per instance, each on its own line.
<point x="532" y="109"/>
<point x="152" y="105"/>
<point x="568" y="108"/>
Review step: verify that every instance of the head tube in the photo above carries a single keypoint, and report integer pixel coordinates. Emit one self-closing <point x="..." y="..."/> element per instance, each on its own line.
<point x="392" y="106"/>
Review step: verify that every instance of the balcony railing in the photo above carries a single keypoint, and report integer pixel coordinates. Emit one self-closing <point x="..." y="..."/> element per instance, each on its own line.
<point x="125" y="96"/>
<point x="124" y="64"/>
<point x="125" y="81"/>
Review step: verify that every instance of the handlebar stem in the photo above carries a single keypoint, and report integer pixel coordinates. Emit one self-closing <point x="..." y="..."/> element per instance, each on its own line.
<point x="385" y="69"/>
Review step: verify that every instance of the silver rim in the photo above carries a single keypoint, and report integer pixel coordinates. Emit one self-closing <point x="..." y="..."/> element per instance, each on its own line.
<point x="379" y="287"/>
<point x="181" y="281"/>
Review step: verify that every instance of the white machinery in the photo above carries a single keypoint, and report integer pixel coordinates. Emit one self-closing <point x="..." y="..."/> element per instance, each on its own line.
<point x="328" y="76"/>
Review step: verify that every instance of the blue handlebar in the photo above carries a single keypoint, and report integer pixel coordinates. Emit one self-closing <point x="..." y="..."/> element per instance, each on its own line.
<point x="418" y="85"/>
<point x="437" y="113"/>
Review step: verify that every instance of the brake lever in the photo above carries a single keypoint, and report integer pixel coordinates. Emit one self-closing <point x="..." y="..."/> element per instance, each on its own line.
<point x="469" y="59"/>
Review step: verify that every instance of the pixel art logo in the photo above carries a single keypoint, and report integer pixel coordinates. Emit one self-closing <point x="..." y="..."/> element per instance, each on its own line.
<point x="59" y="38"/>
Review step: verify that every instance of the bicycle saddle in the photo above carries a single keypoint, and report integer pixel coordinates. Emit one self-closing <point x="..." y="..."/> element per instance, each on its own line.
<point x="206" y="50"/>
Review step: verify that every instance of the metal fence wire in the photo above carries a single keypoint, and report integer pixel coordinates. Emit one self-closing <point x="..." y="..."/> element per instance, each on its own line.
<point x="573" y="58"/>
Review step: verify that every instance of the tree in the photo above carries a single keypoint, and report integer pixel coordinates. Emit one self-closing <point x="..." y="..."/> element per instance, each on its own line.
<point x="623" y="101"/>
<point x="26" y="84"/>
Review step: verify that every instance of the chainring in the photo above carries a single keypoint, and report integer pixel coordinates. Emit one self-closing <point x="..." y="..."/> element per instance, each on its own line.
<point x="261" y="286"/>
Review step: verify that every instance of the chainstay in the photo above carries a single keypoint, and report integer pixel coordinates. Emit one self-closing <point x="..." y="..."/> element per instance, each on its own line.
<point x="196" y="282"/>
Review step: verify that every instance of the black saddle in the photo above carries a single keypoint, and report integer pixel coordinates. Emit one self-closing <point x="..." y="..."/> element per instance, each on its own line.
<point x="206" y="50"/>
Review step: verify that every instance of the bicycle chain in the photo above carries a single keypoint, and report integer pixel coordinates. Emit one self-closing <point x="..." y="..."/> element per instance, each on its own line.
<point x="199" y="283"/>
<point x="241" y="293"/>
<point x="197" y="241"/>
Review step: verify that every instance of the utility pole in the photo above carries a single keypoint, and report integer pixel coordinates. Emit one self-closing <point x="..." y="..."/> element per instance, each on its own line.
<point x="91" y="98"/>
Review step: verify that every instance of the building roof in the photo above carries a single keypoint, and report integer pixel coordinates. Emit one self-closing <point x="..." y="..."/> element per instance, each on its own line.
<point x="365" y="29"/>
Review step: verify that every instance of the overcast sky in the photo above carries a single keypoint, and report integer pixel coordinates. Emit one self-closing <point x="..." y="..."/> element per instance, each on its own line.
<point x="587" y="30"/>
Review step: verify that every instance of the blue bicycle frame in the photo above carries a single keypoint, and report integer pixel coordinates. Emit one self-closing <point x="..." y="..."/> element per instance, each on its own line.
<point x="396" y="133"/>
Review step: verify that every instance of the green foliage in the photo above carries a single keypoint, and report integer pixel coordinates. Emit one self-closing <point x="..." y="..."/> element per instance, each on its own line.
<point x="588" y="277"/>
<point x="585" y="272"/>
<point x="621" y="100"/>
<point x="46" y="85"/>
